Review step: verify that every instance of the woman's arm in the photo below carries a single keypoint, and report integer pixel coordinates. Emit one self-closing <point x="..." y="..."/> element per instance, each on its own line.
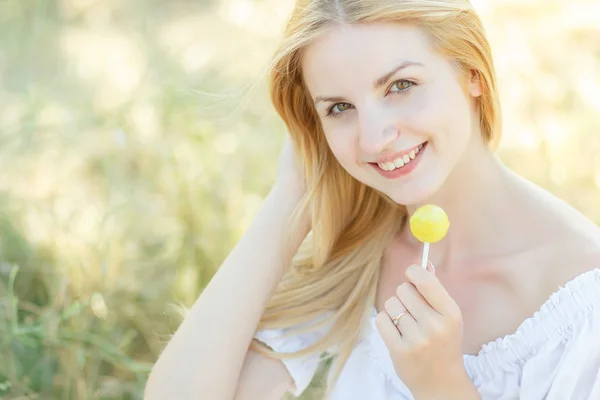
<point x="204" y="358"/>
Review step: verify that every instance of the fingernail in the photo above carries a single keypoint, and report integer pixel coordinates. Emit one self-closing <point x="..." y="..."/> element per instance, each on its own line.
<point x="430" y="267"/>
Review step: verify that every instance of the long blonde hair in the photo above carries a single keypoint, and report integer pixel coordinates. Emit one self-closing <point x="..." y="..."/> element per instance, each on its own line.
<point x="337" y="268"/>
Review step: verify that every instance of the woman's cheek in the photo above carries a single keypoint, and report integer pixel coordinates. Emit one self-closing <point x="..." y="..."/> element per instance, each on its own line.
<point x="340" y="143"/>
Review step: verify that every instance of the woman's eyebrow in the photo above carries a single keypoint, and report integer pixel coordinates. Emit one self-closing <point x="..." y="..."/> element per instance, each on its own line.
<point x="322" y="99"/>
<point x="382" y="81"/>
<point x="377" y="84"/>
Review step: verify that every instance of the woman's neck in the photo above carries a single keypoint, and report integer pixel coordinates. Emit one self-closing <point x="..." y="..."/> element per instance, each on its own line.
<point x="478" y="196"/>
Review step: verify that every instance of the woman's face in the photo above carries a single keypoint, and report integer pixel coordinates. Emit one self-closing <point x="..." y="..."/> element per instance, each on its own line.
<point x="397" y="115"/>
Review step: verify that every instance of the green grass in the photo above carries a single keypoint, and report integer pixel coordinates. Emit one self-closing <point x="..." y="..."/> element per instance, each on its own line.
<point x="131" y="161"/>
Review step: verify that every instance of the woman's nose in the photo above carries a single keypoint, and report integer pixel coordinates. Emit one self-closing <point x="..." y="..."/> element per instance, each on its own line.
<point x="376" y="138"/>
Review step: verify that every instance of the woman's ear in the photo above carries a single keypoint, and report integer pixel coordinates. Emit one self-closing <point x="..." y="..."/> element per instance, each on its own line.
<point x="474" y="84"/>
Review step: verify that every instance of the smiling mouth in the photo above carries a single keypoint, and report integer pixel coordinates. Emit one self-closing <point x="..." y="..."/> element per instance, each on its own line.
<point x="401" y="162"/>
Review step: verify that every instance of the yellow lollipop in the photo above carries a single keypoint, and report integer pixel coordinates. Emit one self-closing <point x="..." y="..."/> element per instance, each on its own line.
<point x="429" y="224"/>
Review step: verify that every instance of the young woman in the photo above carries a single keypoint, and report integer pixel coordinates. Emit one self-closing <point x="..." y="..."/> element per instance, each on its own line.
<point x="390" y="105"/>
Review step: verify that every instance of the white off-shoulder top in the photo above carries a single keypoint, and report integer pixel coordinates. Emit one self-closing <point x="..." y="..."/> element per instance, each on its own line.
<point x="553" y="355"/>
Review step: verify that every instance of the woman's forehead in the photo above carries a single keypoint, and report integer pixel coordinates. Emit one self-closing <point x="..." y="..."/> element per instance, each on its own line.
<point x="366" y="51"/>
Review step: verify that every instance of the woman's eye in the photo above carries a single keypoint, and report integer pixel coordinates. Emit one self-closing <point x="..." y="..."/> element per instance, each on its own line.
<point x="339" y="107"/>
<point x="401" y="86"/>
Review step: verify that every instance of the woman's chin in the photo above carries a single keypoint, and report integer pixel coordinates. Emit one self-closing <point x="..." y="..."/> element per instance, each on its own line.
<point x="411" y="197"/>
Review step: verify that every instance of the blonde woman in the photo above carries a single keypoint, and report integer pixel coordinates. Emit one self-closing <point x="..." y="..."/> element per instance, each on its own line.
<point x="392" y="104"/>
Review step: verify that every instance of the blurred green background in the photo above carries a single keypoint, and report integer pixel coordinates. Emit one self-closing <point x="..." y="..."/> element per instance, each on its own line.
<point x="137" y="141"/>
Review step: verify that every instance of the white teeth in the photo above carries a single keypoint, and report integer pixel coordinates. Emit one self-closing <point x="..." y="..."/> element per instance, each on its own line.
<point x="400" y="161"/>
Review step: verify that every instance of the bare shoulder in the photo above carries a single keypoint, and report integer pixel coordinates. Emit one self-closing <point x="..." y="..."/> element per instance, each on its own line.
<point x="569" y="242"/>
<point x="575" y="247"/>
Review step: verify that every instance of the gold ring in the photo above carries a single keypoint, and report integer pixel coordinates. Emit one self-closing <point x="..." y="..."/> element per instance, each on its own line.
<point x="396" y="319"/>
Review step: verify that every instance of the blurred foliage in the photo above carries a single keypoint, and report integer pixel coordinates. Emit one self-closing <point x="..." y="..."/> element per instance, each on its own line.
<point x="136" y="142"/>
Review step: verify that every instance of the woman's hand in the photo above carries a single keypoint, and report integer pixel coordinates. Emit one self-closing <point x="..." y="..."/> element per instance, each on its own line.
<point x="290" y="186"/>
<point x="425" y="344"/>
<point x="290" y="177"/>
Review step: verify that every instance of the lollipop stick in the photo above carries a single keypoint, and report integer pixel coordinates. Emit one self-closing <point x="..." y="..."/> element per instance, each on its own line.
<point x="425" y="255"/>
